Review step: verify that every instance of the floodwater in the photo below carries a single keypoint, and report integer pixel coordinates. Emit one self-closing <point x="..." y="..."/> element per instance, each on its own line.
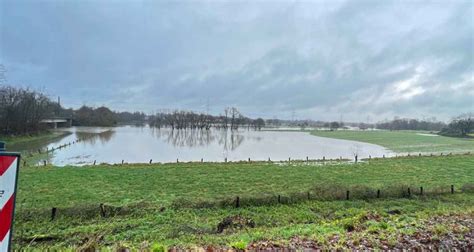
<point x="140" y="144"/>
<point x="426" y="134"/>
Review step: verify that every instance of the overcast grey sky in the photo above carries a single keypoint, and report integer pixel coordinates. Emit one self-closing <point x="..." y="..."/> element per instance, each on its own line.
<point x="321" y="59"/>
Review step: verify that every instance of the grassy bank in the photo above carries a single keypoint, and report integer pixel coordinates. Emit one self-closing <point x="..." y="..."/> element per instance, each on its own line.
<point x="405" y="141"/>
<point x="142" y="203"/>
<point x="28" y="142"/>
<point x="29" y="145"/>
<point x="13" y="140"/>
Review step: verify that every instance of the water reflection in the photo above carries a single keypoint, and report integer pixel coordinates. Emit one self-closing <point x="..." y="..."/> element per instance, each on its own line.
<point x="140" y="144"/>
<point x="229" y="140"/>
<point x="92" y="138"/>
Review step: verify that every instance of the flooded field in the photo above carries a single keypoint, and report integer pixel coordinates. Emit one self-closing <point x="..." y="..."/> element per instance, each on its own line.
<point x="140" y="144"/>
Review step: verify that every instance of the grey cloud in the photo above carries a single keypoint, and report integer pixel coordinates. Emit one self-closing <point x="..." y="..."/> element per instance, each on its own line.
<point x="320" y="59"/>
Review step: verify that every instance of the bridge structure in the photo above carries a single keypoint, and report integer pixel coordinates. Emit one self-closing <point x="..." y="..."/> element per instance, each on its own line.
<point x="57" y="122"/>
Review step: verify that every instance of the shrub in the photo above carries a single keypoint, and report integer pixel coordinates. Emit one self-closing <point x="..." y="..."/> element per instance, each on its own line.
<point x="240" y="245"/>
<point x="156" y="247"/>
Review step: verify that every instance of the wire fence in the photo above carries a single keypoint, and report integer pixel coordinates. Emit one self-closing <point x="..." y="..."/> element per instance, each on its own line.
<point x="317" y="193"/>
<point x="290" y="160"/>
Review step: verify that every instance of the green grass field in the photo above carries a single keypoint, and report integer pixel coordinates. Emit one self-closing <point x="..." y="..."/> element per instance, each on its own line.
<point x="404" y="141"/>
<point x="151" y="212"/>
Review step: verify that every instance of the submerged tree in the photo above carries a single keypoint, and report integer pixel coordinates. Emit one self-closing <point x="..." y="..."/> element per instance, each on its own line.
<point x="180" y="119"/>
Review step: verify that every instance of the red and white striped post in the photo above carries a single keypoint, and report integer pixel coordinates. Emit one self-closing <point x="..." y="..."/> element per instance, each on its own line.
<point x="9" y="165"/>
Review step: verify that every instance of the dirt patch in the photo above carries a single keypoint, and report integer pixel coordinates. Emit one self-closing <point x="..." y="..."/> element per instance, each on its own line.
<point x="438" y="233"/>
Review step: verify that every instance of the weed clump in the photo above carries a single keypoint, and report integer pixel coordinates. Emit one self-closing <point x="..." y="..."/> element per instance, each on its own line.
<point x="235" y="222"/>
<point x="239" y="245"/>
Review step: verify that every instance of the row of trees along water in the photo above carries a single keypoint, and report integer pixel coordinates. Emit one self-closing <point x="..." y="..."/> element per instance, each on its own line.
<point x="230" y="119"/>
<point x="22" y="110"/>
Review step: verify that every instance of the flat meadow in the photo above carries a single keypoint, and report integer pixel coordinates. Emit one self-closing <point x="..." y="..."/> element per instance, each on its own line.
<point x="292" y="204"/>
<point x="404" y="141"/>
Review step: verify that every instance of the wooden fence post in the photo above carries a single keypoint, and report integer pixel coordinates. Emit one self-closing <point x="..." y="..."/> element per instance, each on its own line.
<point x="378" y="193"/>
<point x="102" y="210"/>
<point x="237" y="202"/>
<point x="279" y="199"/>
<point x="409" y="192"/>
<point x="53" y="213"/>
<point x="421" y="190"/>
<point x="347" y="195"/>
<point x="452" y="189"/>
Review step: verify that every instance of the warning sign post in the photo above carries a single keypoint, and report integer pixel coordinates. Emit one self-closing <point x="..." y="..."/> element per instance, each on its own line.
<point x="9" y="166"/>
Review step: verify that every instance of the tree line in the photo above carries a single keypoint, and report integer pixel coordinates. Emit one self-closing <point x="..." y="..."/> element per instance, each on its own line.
<point x="460" y="126"/>
<point x="104" y="117"/>
<point x="179" y="119"/>
<point x="88" y="116"/>
<point x="21" y="110"/>
<point x="411" y="124"/>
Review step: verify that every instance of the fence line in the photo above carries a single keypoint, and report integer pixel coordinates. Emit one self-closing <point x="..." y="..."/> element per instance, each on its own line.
<point x="352" y="193"/>
<point x="249" y="160"/>
<point x="325" y="194"/>
<point x="289" y="161"/>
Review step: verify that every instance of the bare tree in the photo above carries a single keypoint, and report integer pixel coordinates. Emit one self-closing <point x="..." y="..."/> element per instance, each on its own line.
<point x="21" y="110"/>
